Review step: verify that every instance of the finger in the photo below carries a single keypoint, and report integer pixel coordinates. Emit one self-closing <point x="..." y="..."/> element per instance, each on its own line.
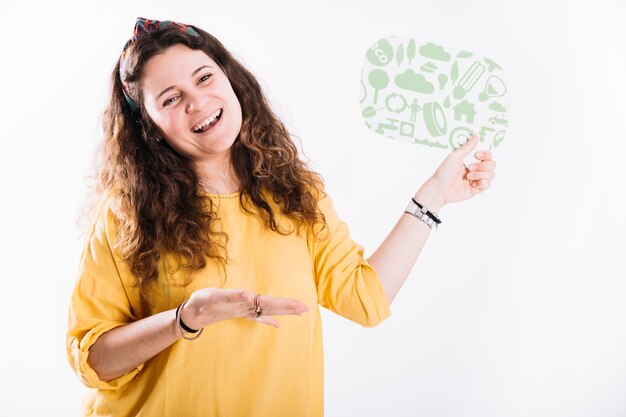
<point x="483" y="166"/>
<point x="465" y="149"/>
<point x="484" y="155"/>
<point x="478" y="175"/>
<point x="270" y="322"/>
<point x="280" y="306"/>
<point x="266" y="320"/>
<point x="245" y="301"/>
<point x="481" y="185"/>
<point x="240" y="297"/>
<point x="238" y="303"/>
<point x="284" y="311"/>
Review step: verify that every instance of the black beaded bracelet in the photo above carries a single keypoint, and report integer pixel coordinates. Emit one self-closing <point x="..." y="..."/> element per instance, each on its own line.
<point x="182" y="324"/>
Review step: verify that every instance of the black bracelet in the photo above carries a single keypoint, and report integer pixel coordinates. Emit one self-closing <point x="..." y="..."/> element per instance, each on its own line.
<point x="182" y="324"/>
<point x="428" y="213"/>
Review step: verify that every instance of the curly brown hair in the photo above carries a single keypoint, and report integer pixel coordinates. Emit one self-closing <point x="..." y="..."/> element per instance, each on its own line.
<point x="156" y="191"/>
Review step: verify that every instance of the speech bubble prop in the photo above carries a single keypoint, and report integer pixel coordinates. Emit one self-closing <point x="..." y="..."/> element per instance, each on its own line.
<point x="431" y="95"/>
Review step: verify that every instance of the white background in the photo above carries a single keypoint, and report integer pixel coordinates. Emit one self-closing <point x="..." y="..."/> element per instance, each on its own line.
<point x="516" y="306"/>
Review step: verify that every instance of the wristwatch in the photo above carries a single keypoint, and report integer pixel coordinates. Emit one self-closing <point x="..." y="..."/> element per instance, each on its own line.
<point x="418" y="210"/>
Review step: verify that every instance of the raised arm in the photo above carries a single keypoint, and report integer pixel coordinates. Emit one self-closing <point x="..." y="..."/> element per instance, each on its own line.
<point x="452" y="182"/>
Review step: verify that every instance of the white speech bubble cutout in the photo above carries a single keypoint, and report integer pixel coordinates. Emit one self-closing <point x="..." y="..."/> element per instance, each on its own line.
<point x="431" y="95"/>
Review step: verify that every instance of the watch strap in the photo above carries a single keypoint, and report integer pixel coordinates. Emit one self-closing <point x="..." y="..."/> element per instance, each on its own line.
<point x="421" y="212"/>
<point x="428" y="212"/>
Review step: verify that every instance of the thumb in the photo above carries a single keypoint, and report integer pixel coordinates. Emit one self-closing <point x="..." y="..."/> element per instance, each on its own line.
<point x="465" y="149"/>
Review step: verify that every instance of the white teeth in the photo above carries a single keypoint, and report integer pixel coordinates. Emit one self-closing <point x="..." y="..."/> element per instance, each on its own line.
<point x="207" y="121"/>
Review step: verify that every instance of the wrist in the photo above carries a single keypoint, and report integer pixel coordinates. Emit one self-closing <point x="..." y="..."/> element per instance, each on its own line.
<point x="188" y="315"/>
<point x="430" y="197"/>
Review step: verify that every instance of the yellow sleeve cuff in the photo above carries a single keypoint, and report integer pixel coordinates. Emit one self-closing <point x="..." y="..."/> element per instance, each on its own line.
<point x="79" y="352"/>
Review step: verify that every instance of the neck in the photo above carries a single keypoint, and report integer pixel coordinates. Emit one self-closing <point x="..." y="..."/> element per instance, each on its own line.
<point x="218" y="176"/>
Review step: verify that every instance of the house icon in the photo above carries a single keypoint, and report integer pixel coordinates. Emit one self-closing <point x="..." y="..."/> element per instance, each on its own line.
<point x="464" y="109"/>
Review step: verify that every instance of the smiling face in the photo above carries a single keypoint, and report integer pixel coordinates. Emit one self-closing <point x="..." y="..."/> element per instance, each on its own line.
<point x="183" y="90"/>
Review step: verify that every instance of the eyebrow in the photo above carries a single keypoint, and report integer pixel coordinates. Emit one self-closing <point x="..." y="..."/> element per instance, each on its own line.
<point x="192" y="74"/>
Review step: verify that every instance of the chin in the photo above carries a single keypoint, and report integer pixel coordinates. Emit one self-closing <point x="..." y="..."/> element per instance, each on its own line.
<point x="224" y="145"/>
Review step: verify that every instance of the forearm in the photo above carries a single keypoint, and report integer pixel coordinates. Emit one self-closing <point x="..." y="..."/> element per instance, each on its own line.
<point x="395" y="257"/>
<point x="123" y="348"/>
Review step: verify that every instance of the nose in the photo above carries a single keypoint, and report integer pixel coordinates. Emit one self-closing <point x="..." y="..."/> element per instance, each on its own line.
<point x="195" y="102"/>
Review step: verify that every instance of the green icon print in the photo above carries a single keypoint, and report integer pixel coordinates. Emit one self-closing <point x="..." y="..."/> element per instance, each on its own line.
<point x="459" y="136"/>
<point x="380" y="54"/>
<point x="435" y="119"/>
<point x="379" y="80"/>
<point x="469" y="80"/>
<point x="443" y="79"/>
<point x="409" y="80"/>
<point x="464" y="112"/>
<point x="432" y="51"/>
<point x="428" y="94"/>
<point x="494" y="87"/>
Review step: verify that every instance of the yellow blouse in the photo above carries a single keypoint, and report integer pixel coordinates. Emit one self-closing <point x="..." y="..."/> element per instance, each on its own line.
<point x="237" y="367"/>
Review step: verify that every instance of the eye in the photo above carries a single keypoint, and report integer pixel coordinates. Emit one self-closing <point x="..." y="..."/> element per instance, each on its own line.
<point x="205" y="77"/>
<point x="169" y="100"/>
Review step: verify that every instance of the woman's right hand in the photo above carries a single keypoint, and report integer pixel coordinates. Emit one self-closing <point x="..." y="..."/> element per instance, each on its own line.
<point x="210" y="305"/>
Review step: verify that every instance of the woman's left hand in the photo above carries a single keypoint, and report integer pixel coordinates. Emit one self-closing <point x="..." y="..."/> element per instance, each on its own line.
<point x="453" y="181"/>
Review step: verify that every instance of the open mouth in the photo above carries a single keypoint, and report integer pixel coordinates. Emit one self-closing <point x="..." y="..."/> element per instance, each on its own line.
<point x="210" y="123"/>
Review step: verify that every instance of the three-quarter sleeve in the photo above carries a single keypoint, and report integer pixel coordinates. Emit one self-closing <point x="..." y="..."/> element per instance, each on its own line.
<point x="99" y="302"/>
<point x="346" y="283"/>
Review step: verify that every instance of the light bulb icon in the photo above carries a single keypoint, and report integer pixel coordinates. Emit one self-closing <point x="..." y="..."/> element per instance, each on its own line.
<point x="494" y="87"/>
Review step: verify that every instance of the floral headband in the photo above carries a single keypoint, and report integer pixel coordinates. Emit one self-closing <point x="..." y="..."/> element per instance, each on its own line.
<point x="142" y="27"/>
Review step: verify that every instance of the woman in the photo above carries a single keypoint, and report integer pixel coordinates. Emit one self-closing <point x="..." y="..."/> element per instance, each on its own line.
<point x="207" y="227"/>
